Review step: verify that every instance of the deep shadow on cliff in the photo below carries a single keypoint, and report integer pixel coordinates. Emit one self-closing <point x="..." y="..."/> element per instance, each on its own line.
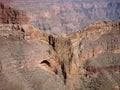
<point x="31" y="59"/>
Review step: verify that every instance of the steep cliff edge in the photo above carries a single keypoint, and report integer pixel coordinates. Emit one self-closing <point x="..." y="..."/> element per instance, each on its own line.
<point x="90" y="57"/>
<point x="97" y="51"/>
<point x="25" y="63"/>
<point x="31" y="59"/>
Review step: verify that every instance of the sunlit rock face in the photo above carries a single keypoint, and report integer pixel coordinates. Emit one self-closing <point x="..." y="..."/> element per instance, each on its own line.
<point x="25" y="60"/>
<point x="68" y="16"/>
<point x="31" y="59"/>
<point x="97" y="48"/>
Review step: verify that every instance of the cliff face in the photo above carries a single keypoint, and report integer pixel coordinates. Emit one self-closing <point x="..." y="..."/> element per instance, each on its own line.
<point x="8" y="15"/>
<point x="31" y="59"/>
<point x="90" y="57"/>
<point x="98" y="54"/>
<point x="60" y="16"/>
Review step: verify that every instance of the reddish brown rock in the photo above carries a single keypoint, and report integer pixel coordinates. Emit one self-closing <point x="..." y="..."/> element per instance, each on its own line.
<point x="31" y="59"/>
<point x="67" y="16"/>
<point x="8" y="15"/>
<point x="77" y="60"/>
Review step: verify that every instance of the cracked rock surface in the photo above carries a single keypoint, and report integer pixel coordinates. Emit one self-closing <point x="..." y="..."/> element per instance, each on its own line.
<point x="31" y="59"/>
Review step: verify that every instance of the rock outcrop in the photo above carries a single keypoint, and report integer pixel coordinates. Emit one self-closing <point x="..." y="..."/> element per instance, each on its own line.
<point x="31" y="59"/>
<point x="8" y="15"/>
<point x="98" y="54"/>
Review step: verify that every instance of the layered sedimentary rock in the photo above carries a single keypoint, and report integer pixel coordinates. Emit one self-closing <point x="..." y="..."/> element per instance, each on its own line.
<point x="35" y="62"/>
<point x="8" y="15"/>
<point x="98" y="54"/>
<point x="31" y="59"/>
<point x="67" y="16"/>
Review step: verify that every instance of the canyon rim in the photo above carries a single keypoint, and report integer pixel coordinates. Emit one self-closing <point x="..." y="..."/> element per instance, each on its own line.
<point x="60" y="45"/>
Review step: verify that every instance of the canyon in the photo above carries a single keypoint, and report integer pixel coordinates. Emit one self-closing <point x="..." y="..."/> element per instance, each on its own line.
<point x="31" y="59"/>
<point x="67" y="16"/>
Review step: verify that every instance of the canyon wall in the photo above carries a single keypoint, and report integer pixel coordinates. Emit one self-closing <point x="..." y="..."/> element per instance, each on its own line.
<point x="31" y="59"/>
<point x="68" y="16"/>
<point x="8" y="15"/>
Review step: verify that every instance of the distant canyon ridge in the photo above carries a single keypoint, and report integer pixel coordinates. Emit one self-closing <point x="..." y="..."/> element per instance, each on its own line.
<point x="67" y="16"/>
<point x="30" y="59"/>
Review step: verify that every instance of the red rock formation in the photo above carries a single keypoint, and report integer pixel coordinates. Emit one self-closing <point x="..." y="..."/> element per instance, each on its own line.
<point x="33" y="53"/>
<point x="8" y="15"/>
<point x="70" y="15"/>
<point x="32" y="59"/>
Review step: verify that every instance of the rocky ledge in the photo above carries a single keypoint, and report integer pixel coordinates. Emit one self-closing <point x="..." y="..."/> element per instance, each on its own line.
<point x="31" y="59"/>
